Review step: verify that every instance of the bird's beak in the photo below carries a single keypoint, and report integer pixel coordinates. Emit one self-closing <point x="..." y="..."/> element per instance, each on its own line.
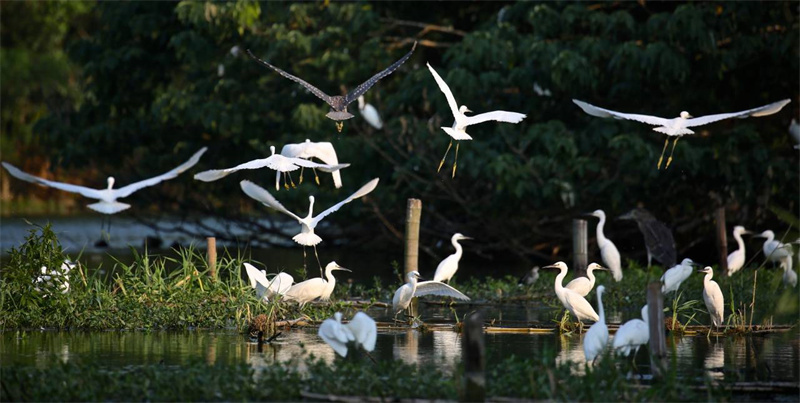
<point x="747" y="232"/>
<point x="468" y="111"/>
<point x="603" y="268"/>
<point x="420" y="278"/>
<point x="698" y="264"/>
<point x="552" y="266"/>
<point x="467" y="237"/>
<point x="343" y="269"/>
<point x="759" y="236"/>
<point x="690" y="117"/>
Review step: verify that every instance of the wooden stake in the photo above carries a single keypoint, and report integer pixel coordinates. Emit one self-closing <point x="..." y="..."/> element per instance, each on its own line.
<point x="722" y="240"/>
<point x="655" y="320"/>
<point x="413" y="217"/>
<point x="474" y="350"/>
<point x="580" y="247"/>
<point x="212" y="257"/>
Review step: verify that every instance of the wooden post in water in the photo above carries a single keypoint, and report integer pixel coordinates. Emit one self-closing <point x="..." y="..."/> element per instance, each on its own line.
<point x="722" y="240"/>
<point x="474" y="353"/>
<point x="655" y="320"/>
<point x="212" y="257"/>
<point x="580" y="247"/>
<point x="413" y="216"/>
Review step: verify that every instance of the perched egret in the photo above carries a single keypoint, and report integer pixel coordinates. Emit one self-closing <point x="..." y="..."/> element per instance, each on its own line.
<point x="712" y="295"/>
<point x="339" y="103"/>
<point x="322" y="150"/>
<point x="448" y="267"/>
<point x="776" y="251"/>
<point x="275" y="162"/>
<point x="369" y="113"/>
<point x="679" y="126"/>
<point x="677" y="274"/>
<point x="576" y="304"/>
<point x="608" y="251"/>
<point x="658" y="238"/>
<point x="459" y="129"/>
<point x="404" y="294"/>
<point x="596" y="338"/>
<point x="584" y="285"/>
<point x="311" y="289"/>
<point x="266" y="288"/>
<point x="736" y="258"/>
<point x="361" y="330"/>
<point x="632" y="335"/>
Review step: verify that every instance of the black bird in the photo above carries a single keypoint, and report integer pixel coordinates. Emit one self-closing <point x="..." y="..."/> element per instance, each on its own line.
<point x="657" y="236"/>
<point x="339" y="103"/>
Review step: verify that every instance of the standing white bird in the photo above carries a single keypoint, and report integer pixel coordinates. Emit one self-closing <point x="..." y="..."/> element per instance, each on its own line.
<point x="459" y="129"/>
<point x="679" y="126"/>
<point x="275" y="162"/>
<point x="311" y="289"/>
<point x="266" y="288"/>
<point x="677" y="274"/>
<point x="108" y="197"/>
<point x="369" y="113"/>
<point x="448" y="267"/>
<point x="361" y="330"/>
<point x="712" y="295"/>
<point x="596" y="338"/>
<point x="576" y="304"/>
<point x="404" y="294"/>
<point x="632" y="335"/>
<point x="736" y="258"/>
<point x="322" y="150"/>
<point x="584" y="285"/>
<point x="776" y="251"/>
<point x="608" y="251"/>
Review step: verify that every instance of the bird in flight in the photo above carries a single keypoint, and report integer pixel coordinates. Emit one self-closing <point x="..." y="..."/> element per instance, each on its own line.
<point x="339" y="103"/>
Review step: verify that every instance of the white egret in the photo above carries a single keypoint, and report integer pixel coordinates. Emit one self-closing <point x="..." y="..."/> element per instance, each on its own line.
<point x="369" y="113"/>
<point x="608" y="251"/>
<point x="318" y="287"/>
<point x="361" y="330"/>
<point x="677" y="274"/>
<point x="736" y="258"/>
<point x="448" y="267"/>
<point x="275" y="162"/>
<point x="584" y="285"/>
<point x="776" y="251"/>
<point x="404" y="294"/>
<point x="596" y="338"/>
<point x="679" y="126"/>
<point x="459" y="129"/>
<point x="265" y="288"/>
<point x="632" y="335"/>
<point x="322" y="150"/>
<point x="576" y="304"/>
<point x="712" y="295"/>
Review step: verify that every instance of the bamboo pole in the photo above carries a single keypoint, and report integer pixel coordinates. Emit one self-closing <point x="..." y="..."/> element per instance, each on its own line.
<point x="413" y="216"/>
<point x="722" y="240"/>
<point x="580" y="247"/>
<point x="655" y="321"/>
<point x="474" y="348"/>
<point x="212" y="257"/>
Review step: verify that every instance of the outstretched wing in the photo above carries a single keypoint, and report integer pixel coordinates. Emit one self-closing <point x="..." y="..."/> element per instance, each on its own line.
<point x="606" y="113"/>
<point x="84" y="191"/>
<point x="765" y="110"/>
<point x="127" y="190"/>
<point x="500" y="116"/>
<point x="364" y="330"/>
<point x="260" y="194"/>
<point x="437" y="288"/>
<point x="255" y="276"/>
<point x="314" y="90"/>
<point x="446" y="91"/>
<point x="369" y="187"/>
<point x="366" y="85"/>
<point x="335" y="335"/>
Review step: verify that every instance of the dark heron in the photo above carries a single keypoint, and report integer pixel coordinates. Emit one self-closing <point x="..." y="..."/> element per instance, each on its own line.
<point x="657" y="236"/>
<point x="339" y="103"/>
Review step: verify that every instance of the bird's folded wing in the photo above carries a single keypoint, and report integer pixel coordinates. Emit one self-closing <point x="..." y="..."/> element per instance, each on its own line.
<point x="755" y="112"/>
<point x="82" y="190"/>
<point x="364" y="329"/>
<point x="500" y="116"/>
<point x="606" y="113"/>
<point x="366" y="85"/>
<point x="314" y="90"/>
<point x="437" y="288"/>
<point x="127" y="190"/>
<point x="260" y="194"/>
<point x="658" y="238"/>
<point x="369" y="187"/>
<point x="451" y="100"/>
<point x="716" y="294"/>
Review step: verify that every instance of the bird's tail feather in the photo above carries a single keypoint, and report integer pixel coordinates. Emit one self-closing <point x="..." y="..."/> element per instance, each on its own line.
<point x="307" y="239"/>
<point x="109" y="207"/>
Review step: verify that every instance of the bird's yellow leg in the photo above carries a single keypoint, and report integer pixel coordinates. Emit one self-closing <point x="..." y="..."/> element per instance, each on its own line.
<point x="445" y="155"/>
<point x="455" y="162"/>
<point x="300" y="182"/>
<point x="318" y="262"/>
<point x="661" y="158"/>
<point x="285" y="182"/>
<point x="316" y="178"/>
<point x="671" y="152"/>
<point x="339" y="126"/>
<point x="292" y="181"/>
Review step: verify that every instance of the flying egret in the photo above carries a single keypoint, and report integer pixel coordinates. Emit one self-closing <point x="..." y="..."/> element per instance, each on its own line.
<point x="361" y="330"/>
<point x="448" y="267"/>
<point x="266" y="288"/>
<point x="736" y="258"/>
<point x="459" y="129"/>
<point x="404" y="294"/>
<point x="311" y="289"/>
<point x="679" y="126"/>
<point x="369" y="113"/>
<point x="306" y="237"/>
<point x="276" y="162"/>
<point x="323" y="150"/>
<point x="608" y="251"/>
<point x="632" y="335"/>
<point x="677" y="274"/>
<point x="776" y="251"/>
<point x="596" y="338"/>
<point x="339" y="103"/>
<point x="576" y="304"/>
<point x="584" y="285"/>
<point x="658" y="239"/>
<point x="712" y="295"/>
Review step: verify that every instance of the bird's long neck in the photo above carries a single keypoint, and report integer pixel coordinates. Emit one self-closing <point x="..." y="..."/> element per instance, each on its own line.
<point x="590" y="275"/>
<point x="310" y="208"/>
<point x="707" y="278"/>
<point x="560" y="280"/>
<point x="601" y="237"/>
<point x="739" y="240"/>
<point x="329" y="275"/>
<point x="413" y="283"/>
<point x="601" y="311"/>
<point x="459" y="251"/>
